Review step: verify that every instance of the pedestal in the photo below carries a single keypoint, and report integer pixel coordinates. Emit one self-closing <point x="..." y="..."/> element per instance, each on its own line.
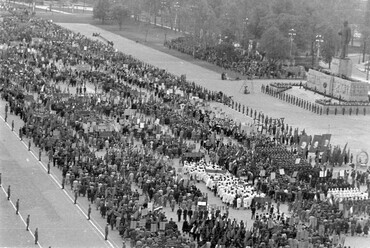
<point x="341" y="67"/>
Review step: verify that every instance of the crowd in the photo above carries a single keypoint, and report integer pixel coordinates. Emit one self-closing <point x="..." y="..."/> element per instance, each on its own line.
<point x="140" y="117"/>
<point x="229" y="58"/>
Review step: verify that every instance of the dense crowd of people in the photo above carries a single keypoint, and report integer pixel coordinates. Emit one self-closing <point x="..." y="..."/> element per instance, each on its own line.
<point x="140" y="117"/>
<point x="229" y="58"/>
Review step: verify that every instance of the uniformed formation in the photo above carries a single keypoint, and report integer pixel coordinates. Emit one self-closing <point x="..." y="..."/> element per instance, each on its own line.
<point x="140" y="117"/>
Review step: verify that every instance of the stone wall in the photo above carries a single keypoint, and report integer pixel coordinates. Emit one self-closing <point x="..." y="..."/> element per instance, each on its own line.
<point x="345" y="89"/>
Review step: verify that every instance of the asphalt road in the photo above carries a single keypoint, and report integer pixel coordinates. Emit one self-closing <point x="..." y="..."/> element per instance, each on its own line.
<point x="60" y="222"/>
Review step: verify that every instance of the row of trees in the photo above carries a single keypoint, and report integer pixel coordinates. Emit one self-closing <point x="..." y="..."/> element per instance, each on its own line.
<point x="239" y="21"/>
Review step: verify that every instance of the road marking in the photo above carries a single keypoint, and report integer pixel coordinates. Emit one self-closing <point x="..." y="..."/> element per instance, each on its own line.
<point x="95" y="225"/>
<point x="19" y="213"/>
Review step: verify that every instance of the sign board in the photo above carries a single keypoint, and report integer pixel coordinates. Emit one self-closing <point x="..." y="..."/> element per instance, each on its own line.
<point x="273" y="175"/>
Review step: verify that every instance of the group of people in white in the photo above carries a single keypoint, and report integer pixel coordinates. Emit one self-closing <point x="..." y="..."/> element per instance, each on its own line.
<point x="227" y="185"/>
<point x="340" y="194"/>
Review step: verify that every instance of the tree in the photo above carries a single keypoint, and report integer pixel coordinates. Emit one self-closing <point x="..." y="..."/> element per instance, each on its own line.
<point x="135" y="7"/>
<point x="366" y="30"/>
<point x="119" y="14"/>
<point x="101" y="10"/>
<point x="328" y="46"/>
<point x="274" y="45"/>
<point x="153" y="7"/>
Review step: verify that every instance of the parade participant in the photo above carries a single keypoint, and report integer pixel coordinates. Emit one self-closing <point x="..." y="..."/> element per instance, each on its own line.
<point x="106" y="231"/>
<point x="27" y="222"/>
<point x="17" y="207"/>
<point x="8" y="193"/>
<point x="36" y="234"/>
<point x="89" y="212"/>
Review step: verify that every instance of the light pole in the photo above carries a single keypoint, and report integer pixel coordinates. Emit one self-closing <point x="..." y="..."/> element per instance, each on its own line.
<point x="291" y="34"/>
<point x="319" y="40"/>
<point x="367" y="69"/>
<point x="177" y="7"/>
<point x="245" y="22"/>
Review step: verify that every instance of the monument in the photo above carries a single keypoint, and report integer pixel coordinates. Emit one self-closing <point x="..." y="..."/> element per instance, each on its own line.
<point x="342" y="65"/>
<point x="338" y="82"/>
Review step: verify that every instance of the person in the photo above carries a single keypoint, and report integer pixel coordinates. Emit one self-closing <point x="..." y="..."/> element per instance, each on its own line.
<point x="179" y="212"/>
<point x="36" y="236"/>
<point x="345" y="34"/>
<point x="49" y="167"/>
<point x="89" y="212"/>
<point x="8" y="192"/>
<point x="17" y="207"/>
<point x="76" y="195"/>
<point x="27" y="222"/>
<point x="0" y="179"/>
<point x="63" y="182"/>
<point x="6" y="112"/>
<point x="106" y="232"/>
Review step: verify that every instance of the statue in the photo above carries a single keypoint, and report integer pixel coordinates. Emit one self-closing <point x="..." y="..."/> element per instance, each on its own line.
<point x="345" y="34"/>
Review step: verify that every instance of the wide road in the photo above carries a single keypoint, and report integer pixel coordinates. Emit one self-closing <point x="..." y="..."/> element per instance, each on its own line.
<point x="59" y="221"/>
<point x="352" y="129"/>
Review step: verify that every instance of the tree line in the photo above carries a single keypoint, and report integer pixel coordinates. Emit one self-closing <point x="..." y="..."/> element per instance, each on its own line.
<point x="281" y="28"/>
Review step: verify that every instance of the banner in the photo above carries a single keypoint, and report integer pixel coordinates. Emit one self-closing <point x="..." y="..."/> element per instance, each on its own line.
<point x="154" y="227"/>
<point x="315" y="144"/>
<point x="325" y="142"/>
<point x="304" y="141"/>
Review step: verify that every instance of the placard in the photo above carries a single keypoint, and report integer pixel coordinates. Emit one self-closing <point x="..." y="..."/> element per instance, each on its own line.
<point x="150" y="206"/>
<point x="153" y="227"/>
<point x="281" y="171"/>
<point x="162" y="226"/>
<point x="133" y="224"/>
<point x="142" y="222"/>
<point x="144" y="212"/>
<point x="273" y="175"/>
<point x="262" y="173"/>
<point x="295" y="174"/>
<point x="335" y="175"/>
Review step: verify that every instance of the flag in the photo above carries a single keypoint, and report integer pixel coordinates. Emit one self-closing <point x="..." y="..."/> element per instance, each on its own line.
<point x="303" y="143"/>
<point x="295" y="135"/>
<point x="342" y="155"/>
<point x="315" y="144"/>
<point x="325" y="142"/>
<point x="344" y="149"/>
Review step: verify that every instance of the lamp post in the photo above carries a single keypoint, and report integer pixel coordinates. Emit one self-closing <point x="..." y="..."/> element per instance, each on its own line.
<point x="319" y="40"/>
<point x="177" y="7"/>
<point x="367" y="69"/>
<point x="245" y="22"/>
<point x="291" y="33"/>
